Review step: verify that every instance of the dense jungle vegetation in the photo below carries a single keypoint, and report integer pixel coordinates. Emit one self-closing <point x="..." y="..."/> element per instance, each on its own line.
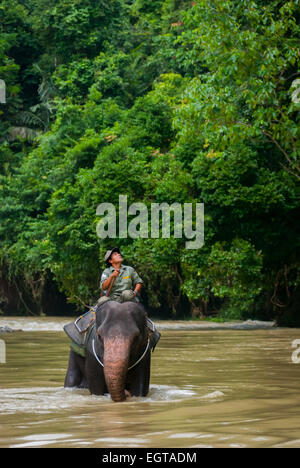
<point x="163" y="101"/>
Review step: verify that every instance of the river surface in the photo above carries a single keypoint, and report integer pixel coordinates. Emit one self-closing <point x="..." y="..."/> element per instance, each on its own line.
<point x="211" y="386"/>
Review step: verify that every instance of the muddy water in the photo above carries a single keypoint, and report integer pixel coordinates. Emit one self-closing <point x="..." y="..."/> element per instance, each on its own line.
<point x="209" y="388"/>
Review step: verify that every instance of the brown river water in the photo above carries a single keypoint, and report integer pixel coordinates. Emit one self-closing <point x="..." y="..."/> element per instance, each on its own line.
<point x="234" y="386"/>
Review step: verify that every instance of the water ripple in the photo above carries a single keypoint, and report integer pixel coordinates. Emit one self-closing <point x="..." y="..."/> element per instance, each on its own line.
<point x="57" y="323"/>
<point x="44" y="400"/>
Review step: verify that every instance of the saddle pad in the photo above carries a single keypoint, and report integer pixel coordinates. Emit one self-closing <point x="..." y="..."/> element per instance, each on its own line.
<point x="76" y="330"/>
<point x="83" y="322"/>
<point x="74" y="334"/>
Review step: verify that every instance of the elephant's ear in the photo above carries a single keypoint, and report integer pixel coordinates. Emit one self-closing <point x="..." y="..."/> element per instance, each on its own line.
<point x="100" y="315"/>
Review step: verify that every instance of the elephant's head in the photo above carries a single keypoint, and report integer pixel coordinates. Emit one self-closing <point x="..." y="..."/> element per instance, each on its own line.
<point x="122" y="336"/>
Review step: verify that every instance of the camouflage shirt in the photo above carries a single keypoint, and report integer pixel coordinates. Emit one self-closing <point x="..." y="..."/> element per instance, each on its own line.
<point x="127" y="279"/>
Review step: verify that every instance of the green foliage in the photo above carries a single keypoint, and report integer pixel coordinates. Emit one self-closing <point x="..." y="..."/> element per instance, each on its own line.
<point x="252" y="58"/>
<point x="162" y="101"/>
<point x="234" y="274"/>
<point x="69" y="28"/>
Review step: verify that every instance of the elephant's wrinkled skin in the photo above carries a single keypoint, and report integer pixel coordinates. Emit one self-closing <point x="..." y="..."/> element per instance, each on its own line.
<point x="120" y="338"/>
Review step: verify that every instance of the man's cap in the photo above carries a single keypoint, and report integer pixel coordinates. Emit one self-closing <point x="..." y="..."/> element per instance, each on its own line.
<point x="109" y="253"/>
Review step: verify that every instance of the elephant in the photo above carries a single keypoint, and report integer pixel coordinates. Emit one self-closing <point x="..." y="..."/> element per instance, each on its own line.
<point x="118" y="354"/>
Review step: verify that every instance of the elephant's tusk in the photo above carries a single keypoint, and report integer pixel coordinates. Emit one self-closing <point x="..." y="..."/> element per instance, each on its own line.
<point x="131" y="367"/>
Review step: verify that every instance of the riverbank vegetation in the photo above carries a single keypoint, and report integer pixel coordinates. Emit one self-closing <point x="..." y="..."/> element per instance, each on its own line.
<point x="162" y="101"/>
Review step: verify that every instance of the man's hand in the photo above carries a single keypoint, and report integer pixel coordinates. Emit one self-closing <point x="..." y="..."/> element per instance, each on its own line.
<point x="137" y="289"/>
<point x="115" y="273"/>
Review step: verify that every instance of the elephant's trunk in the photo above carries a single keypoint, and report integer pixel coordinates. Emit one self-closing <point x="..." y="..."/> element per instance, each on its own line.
<point x="116" y="357"/>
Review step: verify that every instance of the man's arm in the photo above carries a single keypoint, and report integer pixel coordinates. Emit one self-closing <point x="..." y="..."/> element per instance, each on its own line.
<point x="137" y="282"/>
<point x="110" y="279"/>
<point x="138" y="288"/>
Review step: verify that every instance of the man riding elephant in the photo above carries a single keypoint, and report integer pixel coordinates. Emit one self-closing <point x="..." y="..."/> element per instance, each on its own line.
<point x="115" y="324"/>
<point x="121" y="283"/>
